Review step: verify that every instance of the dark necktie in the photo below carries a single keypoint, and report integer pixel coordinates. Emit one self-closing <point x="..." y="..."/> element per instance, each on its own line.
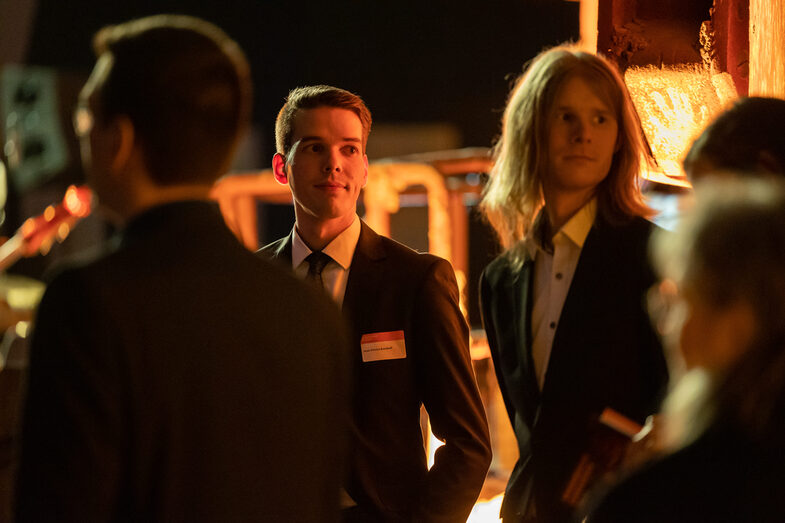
<point x="316" y="263"/>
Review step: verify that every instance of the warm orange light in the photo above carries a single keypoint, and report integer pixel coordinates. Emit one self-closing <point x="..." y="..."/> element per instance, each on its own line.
<point x="49" y="213"/>
<point x="77" y="200"/>
<point x="487" y="511"/>
<point x="63" y="231"/>
<point x="28" y="227"/>
<point x="589" y="13"/>
<point x="675" y="103"/>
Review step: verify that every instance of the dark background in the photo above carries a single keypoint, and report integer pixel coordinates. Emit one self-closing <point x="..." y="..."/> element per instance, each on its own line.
<point x="430" y="60"/>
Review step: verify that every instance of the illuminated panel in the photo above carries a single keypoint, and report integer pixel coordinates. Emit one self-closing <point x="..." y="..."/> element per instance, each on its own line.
<point x="675" y="103"/>
<point x="588" y="25"/>
<point x="767" y="48"/>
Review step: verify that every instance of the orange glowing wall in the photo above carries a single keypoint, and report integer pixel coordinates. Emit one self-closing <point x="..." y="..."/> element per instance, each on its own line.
<point x="767" y="48"/>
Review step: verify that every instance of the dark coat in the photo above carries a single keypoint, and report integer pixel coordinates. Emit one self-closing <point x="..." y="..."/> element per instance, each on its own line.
<point x="181" y="378"/>
<point x="604" y="354"/>
<point x="722" y="477"/>
<point x="393" y="288"/>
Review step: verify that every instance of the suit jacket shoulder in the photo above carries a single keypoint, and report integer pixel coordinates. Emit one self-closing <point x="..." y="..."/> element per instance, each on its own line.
<point x="409" y="259"/>
<point x="501" y="269"/>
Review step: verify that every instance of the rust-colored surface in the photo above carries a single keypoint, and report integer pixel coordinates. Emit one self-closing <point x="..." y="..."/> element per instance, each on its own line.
<point x="767" y="48"/>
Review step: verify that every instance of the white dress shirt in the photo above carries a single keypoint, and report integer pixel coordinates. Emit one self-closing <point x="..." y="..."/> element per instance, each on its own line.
<point x="553" y="272"/>
<point x="336" y="272"/>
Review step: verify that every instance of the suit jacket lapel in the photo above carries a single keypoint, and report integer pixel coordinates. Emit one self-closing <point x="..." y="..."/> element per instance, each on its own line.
<point x="365" y="273"/>
<point x="522" y="291"/>
<point x="511" y="316"/>
<point x="365" y="281"/>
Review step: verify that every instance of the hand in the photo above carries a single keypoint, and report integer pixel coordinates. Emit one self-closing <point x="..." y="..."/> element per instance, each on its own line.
<point x="646" y="444"/>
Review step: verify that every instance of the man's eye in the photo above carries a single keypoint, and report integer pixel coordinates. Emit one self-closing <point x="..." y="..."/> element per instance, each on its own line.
<point x="316" y="147"/>
<point x="600" y="119"/>
<point x="351" y="149"/>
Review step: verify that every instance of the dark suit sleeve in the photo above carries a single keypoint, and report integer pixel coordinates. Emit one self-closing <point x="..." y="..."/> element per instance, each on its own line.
<point x="452" y="400"/>
<point x="72" y="429"/>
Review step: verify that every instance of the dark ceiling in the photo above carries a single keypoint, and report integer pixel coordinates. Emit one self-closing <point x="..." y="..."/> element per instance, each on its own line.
<point x="429" y="60"/>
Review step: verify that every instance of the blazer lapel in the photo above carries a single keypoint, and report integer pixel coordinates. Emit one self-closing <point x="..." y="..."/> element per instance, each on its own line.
<point x="511" y="313"/>
<point x="522" y="291"/>
<point x="365" y="277"/>
<point x="365" y="282"/>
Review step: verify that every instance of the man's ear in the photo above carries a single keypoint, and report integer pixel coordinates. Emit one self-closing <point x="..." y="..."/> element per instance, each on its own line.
<point x="279" y="169"/>
<point x="365" y="174"/>
<point x="123" y="141"/>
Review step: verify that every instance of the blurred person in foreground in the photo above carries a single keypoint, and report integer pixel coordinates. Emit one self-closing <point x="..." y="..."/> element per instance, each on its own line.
<point x="410" y="341"/>
<point x="177" y="377"/>
<point x="722" y="299"/>
<point x="748" y="139"/>
<point x="563" y="305"/>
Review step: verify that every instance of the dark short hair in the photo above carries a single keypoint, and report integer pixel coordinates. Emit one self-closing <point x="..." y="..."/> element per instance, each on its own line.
<point x="747" y="138"/>
<point x="185" y="86"/>
<point x="310" y="98"/>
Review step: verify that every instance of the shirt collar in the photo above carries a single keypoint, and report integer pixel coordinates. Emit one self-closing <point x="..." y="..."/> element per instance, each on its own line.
<point x="576" y="229"/>
<point x="341" y="249"/>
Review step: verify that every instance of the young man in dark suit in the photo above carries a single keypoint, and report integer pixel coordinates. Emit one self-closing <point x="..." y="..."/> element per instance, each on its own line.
<point x="171" y="378"/>
<point x="409" y="342"/>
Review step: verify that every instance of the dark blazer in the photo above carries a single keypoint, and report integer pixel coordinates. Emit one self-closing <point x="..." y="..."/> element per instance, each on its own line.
<point x="723" y="477"/>
<point x="172" y="380"/>
<point x="605" y="354"/>
<point x="393" y="288"/>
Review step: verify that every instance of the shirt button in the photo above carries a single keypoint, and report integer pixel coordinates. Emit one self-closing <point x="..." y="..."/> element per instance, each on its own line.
<point x="553" y="325"/>
<point x="559" y="276"/>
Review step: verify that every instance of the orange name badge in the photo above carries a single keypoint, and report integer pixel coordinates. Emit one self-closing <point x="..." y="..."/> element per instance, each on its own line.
<point x="380" y="346"/>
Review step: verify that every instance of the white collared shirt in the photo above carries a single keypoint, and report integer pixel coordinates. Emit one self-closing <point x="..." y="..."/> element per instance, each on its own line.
<point x="553" y="273"/>
<point x="336" y="272"/>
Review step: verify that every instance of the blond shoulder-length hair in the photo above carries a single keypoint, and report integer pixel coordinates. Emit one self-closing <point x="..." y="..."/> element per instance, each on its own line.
<point x="513" y="194"/>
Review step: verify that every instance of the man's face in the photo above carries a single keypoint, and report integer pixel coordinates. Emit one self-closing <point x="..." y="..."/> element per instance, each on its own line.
<point x="326" y="167"/>
<point x="582" y="137"/>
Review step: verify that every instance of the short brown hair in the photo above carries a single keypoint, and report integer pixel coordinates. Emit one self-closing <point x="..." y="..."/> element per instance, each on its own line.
<point x="310" y="98"/>
<point x="185" y="86"/>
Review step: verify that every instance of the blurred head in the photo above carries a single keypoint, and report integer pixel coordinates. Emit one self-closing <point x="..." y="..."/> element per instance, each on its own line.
<point x="310" y="98"/>
<point x="727" y="260"/>
<point x="179" y="85"/>
<point x="524" y="155"/>
<point x="748" y="138"/>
